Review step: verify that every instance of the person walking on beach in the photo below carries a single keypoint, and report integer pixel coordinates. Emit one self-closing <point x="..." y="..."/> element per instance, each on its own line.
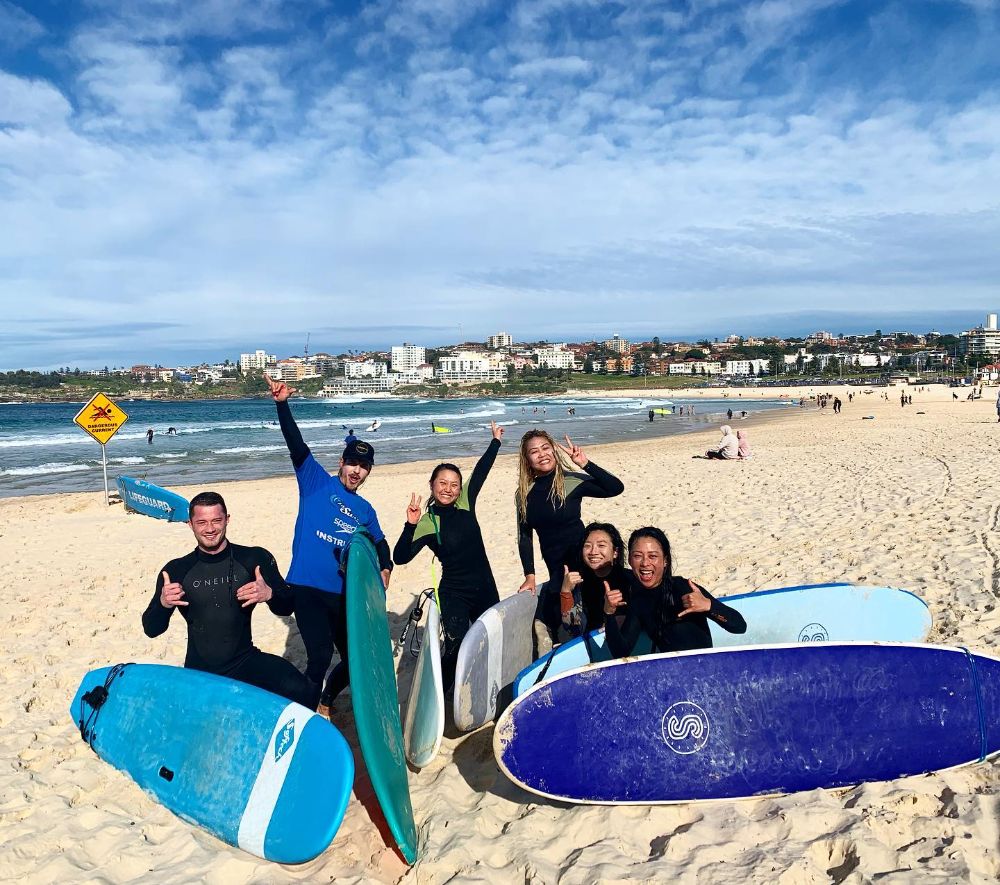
<point x="449" y="528"/>
<point x="548" y="501"/>
<point x="330" y="511"/>
<point x="216" y="588"/>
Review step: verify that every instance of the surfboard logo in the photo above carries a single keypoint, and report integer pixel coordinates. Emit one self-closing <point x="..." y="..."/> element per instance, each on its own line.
<point x="284" y="739"/>
<point x="685" y="727"/>
<point x="814" y="633"/>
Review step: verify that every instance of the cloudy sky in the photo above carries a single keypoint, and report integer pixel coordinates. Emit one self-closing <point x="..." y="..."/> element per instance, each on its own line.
<point x="185" y="180"/>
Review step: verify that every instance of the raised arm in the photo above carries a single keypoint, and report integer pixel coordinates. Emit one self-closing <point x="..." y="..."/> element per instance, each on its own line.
<point x="600" y="483"/>
<point x="484" y="465"/>
<point x="297" y="447"/>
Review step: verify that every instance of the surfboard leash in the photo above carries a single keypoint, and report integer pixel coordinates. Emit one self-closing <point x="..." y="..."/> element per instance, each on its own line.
<point x="416" y="613"/>
<point x="95" y="699"/>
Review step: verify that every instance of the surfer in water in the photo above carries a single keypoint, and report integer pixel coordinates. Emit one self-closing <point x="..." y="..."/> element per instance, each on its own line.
<point x="350" y="438"/>
<point x="549" y="498"/>
<point x="674" y="611"/>
<point x="450" y="530"/>
<point x="330" y="511"/>
<point x="581" y="596"/>
<point x="216" y="588"/>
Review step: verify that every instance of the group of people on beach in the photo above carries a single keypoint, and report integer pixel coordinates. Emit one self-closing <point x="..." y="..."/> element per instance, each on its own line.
<point x="595" y="579"/>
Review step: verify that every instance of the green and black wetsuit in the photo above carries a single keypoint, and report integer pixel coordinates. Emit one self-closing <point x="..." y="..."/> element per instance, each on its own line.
<point x="453" y="535"/>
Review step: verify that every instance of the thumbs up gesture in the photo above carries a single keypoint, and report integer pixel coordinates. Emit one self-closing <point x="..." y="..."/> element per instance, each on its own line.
<point x="612" y="599"/>
<point x="172" y="593"/>
<point x="695" y="601"/>
<point x="570" y="580"/>
<point x="254" y="591"/>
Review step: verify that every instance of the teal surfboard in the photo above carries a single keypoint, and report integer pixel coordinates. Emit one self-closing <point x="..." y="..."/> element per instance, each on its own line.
<point x="256" y="770"/>
<point x="809" y="613"/>
<point x="423" y="726"/>
<point x="373" y="692"/>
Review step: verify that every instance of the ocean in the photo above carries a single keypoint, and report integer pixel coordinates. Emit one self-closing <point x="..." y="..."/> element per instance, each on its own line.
<point x="42" y="451"/>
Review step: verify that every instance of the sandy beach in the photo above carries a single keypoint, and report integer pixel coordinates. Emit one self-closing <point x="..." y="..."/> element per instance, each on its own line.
<point x="907" y="499"/>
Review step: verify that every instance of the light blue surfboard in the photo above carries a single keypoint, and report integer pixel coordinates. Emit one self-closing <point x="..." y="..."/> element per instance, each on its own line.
<point x="808" y="613"/>
<point x="143" y="497"/>
<point x="258" y="771"/>
<point x="423" y="726"/>
<point x="373" y="692"/>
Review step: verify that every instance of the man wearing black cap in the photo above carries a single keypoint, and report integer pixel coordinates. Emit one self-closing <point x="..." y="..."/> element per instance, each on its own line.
<point x="330" y="511"/>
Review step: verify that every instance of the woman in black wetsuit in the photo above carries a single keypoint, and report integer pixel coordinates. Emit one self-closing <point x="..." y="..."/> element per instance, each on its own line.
<point x="548" y="502"/>
<point x="449" y="528"/>
<point x="674" y="611"/>
<point x="601" y="558"/>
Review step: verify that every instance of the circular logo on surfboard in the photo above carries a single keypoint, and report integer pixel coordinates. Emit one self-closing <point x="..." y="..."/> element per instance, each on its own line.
<point x="814" y="633"/>
<point x="685" y="727"/>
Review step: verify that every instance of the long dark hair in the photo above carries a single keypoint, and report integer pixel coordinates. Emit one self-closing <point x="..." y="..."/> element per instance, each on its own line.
<point x="434" y="474"/>
<point x="665" y="608"/>
<point x="616" y="541"/>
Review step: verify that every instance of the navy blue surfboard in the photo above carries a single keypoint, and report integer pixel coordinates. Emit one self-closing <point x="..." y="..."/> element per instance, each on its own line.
<point x="258" y="771"/>
<point x="151" y="500"/>
<point x="738" y="722"/>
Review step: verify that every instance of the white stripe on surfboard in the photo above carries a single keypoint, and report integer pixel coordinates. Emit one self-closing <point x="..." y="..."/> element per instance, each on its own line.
<point x="494" y="654"/>
<point x="271" y="777"/>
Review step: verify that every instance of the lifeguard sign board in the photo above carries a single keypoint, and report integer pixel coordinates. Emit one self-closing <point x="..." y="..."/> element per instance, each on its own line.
<point x="101" y="418"/>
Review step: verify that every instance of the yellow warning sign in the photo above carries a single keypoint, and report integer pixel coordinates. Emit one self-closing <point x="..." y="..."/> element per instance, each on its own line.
<point x="101" y="418"/>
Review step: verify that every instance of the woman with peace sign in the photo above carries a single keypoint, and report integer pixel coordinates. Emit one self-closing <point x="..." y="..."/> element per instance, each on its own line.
<point x="450" y="530"/>
<point x="549" y="498"/>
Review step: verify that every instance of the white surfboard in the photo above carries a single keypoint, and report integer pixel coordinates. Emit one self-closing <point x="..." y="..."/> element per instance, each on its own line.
<point x="423" y="727"/>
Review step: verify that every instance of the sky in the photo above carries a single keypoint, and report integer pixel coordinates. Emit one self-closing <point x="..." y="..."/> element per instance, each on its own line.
<point x="186" y="181"/>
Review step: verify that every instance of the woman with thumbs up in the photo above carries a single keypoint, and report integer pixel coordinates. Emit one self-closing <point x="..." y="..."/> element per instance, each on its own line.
<point x="674" y="611"/>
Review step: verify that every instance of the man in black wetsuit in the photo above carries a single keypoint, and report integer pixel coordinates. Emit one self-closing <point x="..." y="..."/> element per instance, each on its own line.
<point x="216" y="588"/>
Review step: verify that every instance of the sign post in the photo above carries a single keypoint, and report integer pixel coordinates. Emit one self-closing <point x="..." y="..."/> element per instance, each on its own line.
<point x="102" y="419"/>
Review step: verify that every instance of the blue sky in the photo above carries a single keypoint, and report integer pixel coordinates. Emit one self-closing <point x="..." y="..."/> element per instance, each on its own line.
<point x="182" y="180"/>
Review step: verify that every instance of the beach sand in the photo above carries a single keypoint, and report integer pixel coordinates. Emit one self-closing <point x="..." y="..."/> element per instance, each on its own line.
<point x="906" y="499"/>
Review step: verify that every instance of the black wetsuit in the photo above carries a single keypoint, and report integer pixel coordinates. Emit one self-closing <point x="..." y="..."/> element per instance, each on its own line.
<point x="453" y="535"/>
<point x="560" y="529"/>
<point x="219" y="636"/>
<point x="655" y="611"/>
<point x="320" y="614"/>
<point x="591" y="591"/>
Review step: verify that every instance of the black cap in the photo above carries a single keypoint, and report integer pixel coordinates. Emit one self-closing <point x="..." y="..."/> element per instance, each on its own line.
<point x="360" y="451"/>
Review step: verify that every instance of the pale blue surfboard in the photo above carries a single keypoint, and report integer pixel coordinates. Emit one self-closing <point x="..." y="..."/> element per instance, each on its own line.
<point x="809" y="613"/>
<point x="423" y="726"/>
<point x="143" y="497"/>
<point x="258" y="771"/>
<point x="373" y="692"/>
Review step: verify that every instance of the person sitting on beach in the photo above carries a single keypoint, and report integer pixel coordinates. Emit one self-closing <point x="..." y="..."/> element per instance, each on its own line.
<point x="330" y="511"/>
<point x="672" y="610"/>
<point x="744" y="452"/>
<point x="581" y="599"/>
<point x="548" y="501"/>
<point x="729" y="446"/>
<point x="216" y="587"/>
<point x="450" y="529"/>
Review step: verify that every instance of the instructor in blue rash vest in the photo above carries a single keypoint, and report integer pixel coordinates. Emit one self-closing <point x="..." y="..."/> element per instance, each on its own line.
<point x="330" y="511"/>
<point x="216" y="588"/>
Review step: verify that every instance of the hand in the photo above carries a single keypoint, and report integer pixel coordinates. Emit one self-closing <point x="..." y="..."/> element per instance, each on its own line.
<point x="529" y="585"/>
<point x="496" y="430"/>
<point x="172" y="593"/>
<point x="570" y="580"/>
<point x="254" y="591"/>
<point x="279" y="390"/>
<point x="613" y="599"/>
<point x="386" y="574"/>
<point x="413" y="510"/>
<point x="575" y="453"/>
<point x="695" y="601"/>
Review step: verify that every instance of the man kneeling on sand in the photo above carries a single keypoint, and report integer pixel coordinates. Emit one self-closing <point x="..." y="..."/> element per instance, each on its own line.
<point x="216" y="587"/>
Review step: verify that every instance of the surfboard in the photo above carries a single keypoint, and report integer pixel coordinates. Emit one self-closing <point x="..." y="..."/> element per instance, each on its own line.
<point x="375" y="425"/>
<point x="423" y="726"/>
<point x="373" y="692"/>
<point x="739" y="722"/>
<point x="143" y="497"/>
<point x="806" y="613"/>
<point x="496" y="648"/>
<point x="254" y="769"/>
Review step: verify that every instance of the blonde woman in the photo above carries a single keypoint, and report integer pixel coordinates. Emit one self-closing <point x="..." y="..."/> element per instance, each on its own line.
<point x="549" y="497"/>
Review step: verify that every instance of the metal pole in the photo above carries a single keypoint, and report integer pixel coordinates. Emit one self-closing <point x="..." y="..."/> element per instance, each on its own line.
<point x="104" y="464"/>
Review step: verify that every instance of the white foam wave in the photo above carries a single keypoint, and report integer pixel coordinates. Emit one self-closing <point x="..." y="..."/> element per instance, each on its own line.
<point x="126" y="460"/>
<point x="38" y="469"/>
<point x="238" y="450"/>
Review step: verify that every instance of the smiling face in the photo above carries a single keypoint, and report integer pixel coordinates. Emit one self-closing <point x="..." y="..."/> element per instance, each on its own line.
<point x="540" y="455"/>
<point x="599" y="552"/>
<point x="352" y="474"/>
<point x="209" y="527"/>
<point x="648" y="562"/>
<point x="446" y="486"/>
